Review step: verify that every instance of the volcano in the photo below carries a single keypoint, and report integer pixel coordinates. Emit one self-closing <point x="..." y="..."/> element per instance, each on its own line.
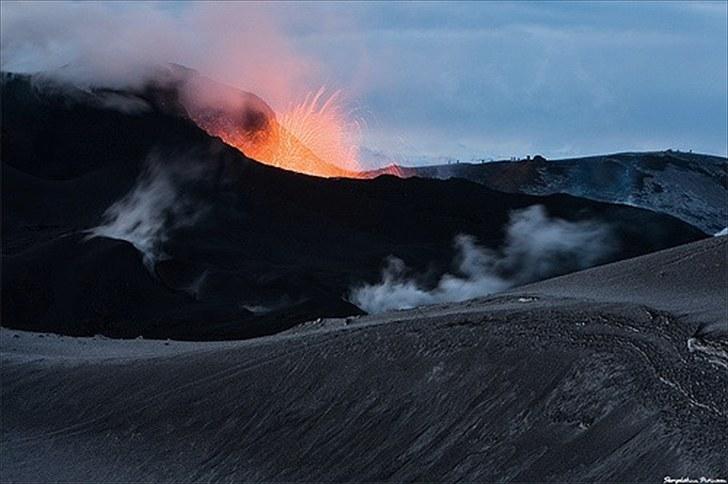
<point x="136" y="214"/>
<point x="203" y="242"/>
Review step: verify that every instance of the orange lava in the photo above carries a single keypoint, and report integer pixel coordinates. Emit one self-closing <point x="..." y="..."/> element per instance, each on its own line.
<point x="316" y="137"/>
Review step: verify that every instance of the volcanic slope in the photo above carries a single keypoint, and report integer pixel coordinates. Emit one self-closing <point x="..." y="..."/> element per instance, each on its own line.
<point x="689" y="281"/>
<point x="214" y="245"/>
<point x="520" y="387"/>
<point x="690" y="186"/>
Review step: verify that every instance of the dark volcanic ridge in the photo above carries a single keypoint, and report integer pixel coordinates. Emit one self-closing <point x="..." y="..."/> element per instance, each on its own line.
<point x="214" y="245"/>
<point x="690" y="186"/>
<point x="527" y="386"/>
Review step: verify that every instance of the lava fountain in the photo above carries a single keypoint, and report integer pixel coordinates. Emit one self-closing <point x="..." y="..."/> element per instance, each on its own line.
<point x="316" y="136"/>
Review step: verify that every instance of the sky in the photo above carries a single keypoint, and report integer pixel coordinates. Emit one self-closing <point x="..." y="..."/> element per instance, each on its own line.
<point x="426" y="81"/>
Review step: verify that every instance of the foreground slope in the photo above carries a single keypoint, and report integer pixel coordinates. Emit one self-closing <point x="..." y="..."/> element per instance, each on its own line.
<point x="690" y="281"/>
<point x="518" y="387"/>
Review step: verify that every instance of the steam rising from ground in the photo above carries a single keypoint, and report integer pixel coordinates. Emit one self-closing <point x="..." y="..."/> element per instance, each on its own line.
<point x="536" y="247"/>
<point x="155" y="206"/>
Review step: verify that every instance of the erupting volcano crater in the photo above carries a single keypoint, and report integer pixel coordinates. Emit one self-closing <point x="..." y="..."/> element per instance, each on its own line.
<point x="316" y="136"/>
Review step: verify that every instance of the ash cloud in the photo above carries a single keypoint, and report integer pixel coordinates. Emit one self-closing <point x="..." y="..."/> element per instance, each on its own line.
<point x="536" y="247"/>
<point x="157" y="205"/>
<point x="122" y="45"/>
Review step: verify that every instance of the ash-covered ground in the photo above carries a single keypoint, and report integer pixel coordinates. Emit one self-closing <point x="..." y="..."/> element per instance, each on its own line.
<point x="603" y="375"/>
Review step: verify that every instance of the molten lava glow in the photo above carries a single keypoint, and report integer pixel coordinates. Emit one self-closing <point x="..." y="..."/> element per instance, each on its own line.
<point x="316" y="137"/>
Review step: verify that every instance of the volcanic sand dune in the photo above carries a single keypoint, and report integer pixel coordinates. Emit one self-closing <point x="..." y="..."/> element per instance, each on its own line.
<point x="524" y="386"/>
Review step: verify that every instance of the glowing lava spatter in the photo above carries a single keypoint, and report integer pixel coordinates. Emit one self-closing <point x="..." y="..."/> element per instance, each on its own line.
<point x="316" y="137"/>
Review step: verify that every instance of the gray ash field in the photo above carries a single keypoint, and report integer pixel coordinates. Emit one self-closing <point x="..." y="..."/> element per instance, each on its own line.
<point x="531" y="385"/>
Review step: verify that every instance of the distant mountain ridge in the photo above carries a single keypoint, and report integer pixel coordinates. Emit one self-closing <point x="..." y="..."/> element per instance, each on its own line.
<point x="690" y="186"/>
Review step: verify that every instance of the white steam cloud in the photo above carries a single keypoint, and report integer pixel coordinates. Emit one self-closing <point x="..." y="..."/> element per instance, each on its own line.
<point x="153" y="208"/>
<point x="536" y="246"/>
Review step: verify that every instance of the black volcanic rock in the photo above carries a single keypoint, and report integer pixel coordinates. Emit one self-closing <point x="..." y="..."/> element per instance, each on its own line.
<point x="87" y="287"/>
<point x="255" y="249"/>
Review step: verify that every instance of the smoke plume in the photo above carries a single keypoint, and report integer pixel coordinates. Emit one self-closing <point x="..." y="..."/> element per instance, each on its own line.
<point x="120" y="45"/>
<point x="155" y="206"/>
<point x="536" y="247"/>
